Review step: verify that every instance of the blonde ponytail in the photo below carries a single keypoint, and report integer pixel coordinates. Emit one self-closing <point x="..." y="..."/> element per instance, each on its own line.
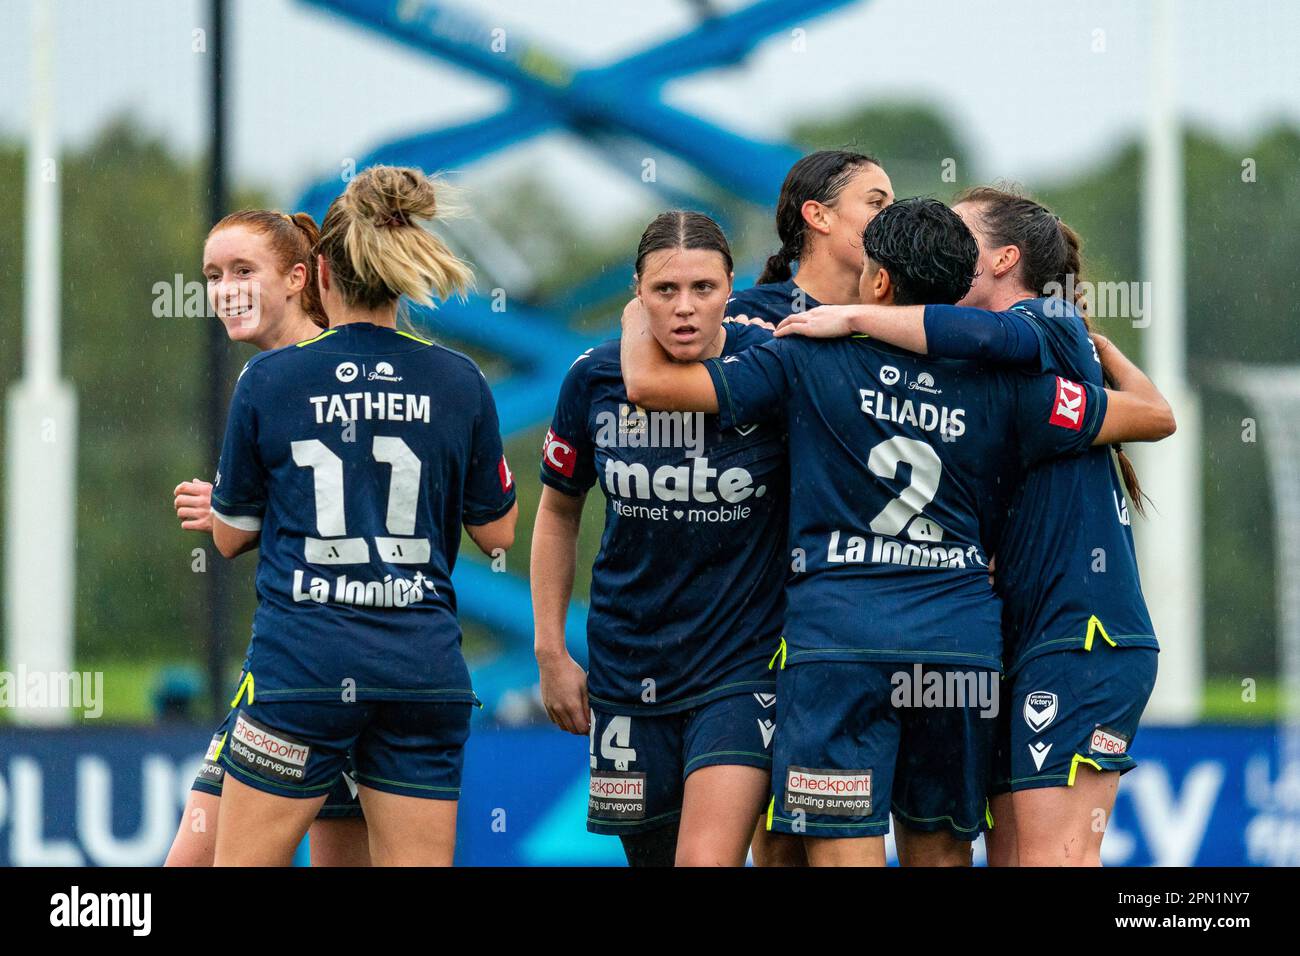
<point x="377" y="248"/>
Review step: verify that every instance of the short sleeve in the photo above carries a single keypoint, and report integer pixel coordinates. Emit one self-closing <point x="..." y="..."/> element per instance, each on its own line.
<point x="752" y="385"/>
<point x="1062" y="336"/>
<point x="239" y="490"/>
<point x="568" y="456"/>
<point x="1007" y="338"/>
<point x="1057" y="417"/>
<point x="489" y="484"/>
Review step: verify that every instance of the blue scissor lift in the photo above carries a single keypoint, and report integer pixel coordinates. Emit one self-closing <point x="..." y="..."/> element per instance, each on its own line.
<point x="614" y="108"/>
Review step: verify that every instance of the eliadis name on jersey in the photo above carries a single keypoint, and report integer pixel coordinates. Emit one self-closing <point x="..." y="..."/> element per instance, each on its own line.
<point x="893" y="551"/>
<point x="383" y="406"/>
<point x="390" y="592"/>
<point x="948" y="422"/>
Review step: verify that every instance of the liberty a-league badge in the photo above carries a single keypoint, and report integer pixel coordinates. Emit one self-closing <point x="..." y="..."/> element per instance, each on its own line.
<point x="1040" y="710"/>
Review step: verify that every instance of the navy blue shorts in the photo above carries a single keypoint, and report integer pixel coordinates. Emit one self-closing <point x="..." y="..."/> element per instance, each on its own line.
<point x="639" y="764"/>
<point x="341" y="802"/>
<point x="300" y="748"/>
<point x="1067" y="708"/>
<point x="862" y="739"/>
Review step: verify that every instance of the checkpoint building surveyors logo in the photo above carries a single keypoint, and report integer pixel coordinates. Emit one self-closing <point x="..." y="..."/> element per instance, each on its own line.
<point x="616" y="795"/>
<point x="836" y="793"/>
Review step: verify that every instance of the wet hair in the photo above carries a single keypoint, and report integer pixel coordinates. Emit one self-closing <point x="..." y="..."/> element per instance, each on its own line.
<point x="1050" y="255"/>
<point x="682" y="229"/>
<point x="292" y="239"/>
<point x="376" y="247"/>
<point x="1051" y="262"/>
<point x="819" y="177"/>
<point x="930" y="254"/>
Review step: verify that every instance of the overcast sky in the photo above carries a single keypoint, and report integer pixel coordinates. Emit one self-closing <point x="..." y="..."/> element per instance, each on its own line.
<point x="1020" y="79"/>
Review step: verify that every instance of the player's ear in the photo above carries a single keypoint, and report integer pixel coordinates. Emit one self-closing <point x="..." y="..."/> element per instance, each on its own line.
<point x="883" y="286"/>
<point x="817" y="216"/>
<point x="297" y="278"/>
<point x="1004" y="260"/>
<point x="323" y="276"/>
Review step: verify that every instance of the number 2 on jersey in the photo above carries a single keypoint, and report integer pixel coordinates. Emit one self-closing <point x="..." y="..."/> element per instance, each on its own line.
<point x="907" y="508"/>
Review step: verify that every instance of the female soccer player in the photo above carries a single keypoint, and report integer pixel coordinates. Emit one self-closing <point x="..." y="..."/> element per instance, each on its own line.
<point x="686" y="592"/>
<point x="261" y="278"/>
<point x="826" y="201"/>
<point x="895" y="570"/>
<point x="1080" y="653"/>
<point x="352" y="460"/>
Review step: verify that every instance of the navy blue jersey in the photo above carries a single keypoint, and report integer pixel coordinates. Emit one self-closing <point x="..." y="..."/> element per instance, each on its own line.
<point x="771" y="301"/>
<point x="359" y="454"/>
<point x="686" y="592"/>
<point x="1067" y="555"/>
<point x="899" y="468"/>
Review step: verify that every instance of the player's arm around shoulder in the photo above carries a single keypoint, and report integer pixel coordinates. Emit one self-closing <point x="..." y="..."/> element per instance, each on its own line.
<point x="1135" y="409"/>
<point x="653" y="380"/>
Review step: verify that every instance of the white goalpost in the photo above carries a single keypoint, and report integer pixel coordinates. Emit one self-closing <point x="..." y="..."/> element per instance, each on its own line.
<point x="1169" y="540"/>
<point x="1273" y="394"/>
<point x="41" y="425"/>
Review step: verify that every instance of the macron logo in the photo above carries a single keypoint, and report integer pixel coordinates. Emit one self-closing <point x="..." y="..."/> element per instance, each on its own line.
<point x="1071" y="403"/>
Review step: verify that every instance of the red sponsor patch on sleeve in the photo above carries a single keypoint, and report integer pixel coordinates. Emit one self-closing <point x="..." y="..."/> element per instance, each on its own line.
<point x="504" y="473"/>
<point x="1070" y="404"/>
<point x="559" y="454"/>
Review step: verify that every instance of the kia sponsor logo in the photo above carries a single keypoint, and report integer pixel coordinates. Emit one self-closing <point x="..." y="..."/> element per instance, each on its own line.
<point x="1071" y="403"/>
<point x="558" y="454"/>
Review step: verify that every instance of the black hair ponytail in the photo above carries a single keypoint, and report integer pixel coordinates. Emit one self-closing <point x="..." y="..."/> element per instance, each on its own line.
<point x="820" y="177"/>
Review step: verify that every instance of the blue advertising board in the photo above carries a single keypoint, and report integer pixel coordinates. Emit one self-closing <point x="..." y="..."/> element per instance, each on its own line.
<point x="112" y="796"/>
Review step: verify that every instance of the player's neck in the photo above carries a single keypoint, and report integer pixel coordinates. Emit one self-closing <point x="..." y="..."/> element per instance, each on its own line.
<point x="1004" y="299"/>
<point x="716" y="346"/>
<point x="294" y="329"/>
<point x="385" y="316"/>
<point x="828" y="281"/>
